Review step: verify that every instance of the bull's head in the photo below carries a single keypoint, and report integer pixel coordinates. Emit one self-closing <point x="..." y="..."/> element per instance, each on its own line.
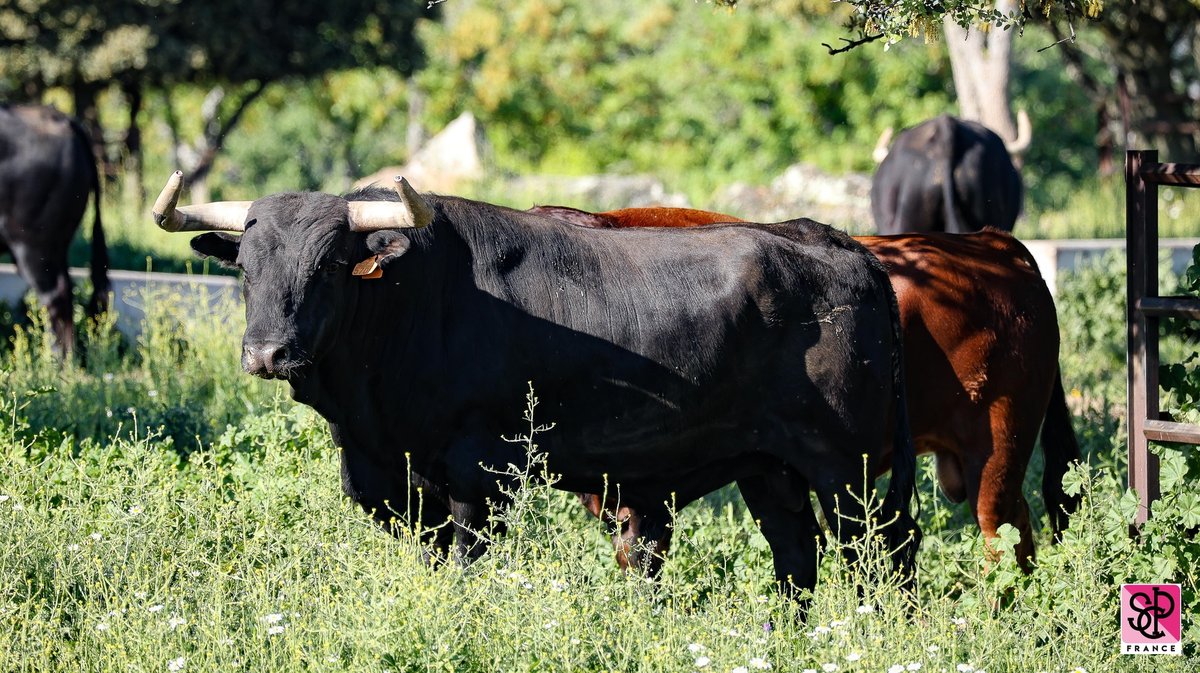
<point x="296" y="251"/>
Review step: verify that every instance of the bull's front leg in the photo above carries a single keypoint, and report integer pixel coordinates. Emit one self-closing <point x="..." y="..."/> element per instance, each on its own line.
<point x="478" y="481"/>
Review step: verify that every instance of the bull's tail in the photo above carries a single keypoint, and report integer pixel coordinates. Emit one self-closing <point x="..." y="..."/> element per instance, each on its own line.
<point x="905" y="536"/>
<point x="99" y="259"/>
<point x="1060" y="448"/>
<point x="954" y="219"/>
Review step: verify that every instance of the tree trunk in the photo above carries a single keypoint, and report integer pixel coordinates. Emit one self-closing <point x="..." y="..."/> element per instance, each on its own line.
<point x="133" y="142"/>
<point x="196" y="159"/>
<point x="84" y="100"/>
<point x="980" y="62"/>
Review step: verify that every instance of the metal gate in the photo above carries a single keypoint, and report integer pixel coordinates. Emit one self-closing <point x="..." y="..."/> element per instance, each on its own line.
<point x="1145" y="308"/>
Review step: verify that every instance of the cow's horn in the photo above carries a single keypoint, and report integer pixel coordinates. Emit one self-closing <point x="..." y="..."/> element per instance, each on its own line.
<point x="1024" y="135"/>
<point x="411" y="211"/>
<point x="218" y="216"/>
<point x="881" y="146"/>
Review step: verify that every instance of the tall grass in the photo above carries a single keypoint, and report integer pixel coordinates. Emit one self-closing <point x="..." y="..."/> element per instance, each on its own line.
<point x="201" y="527"/>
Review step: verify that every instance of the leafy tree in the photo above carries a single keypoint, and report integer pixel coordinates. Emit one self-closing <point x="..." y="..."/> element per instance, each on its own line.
<point x="574" y="86"/>
<point x="233" y="47"/>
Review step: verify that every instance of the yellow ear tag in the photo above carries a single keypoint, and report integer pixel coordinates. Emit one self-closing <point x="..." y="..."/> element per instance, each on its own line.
<point x="368" y="269"/>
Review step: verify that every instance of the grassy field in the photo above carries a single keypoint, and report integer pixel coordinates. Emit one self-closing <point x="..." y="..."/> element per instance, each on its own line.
<point x="162" y="511"/>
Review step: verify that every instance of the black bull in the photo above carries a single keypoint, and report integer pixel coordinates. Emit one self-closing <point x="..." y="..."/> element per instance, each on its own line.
<point x="672" y="362"/>
<point x="946" y="174"/>
<point x="47" y="172"/>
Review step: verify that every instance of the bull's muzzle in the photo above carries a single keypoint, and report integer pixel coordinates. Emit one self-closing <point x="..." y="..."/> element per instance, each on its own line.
<point x="268" y="360"/>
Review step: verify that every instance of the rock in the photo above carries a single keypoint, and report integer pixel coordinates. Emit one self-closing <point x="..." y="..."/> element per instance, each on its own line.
<point x="802" y="191"/>
<point x="593" y="192"/>
<point x="458" y="154"/>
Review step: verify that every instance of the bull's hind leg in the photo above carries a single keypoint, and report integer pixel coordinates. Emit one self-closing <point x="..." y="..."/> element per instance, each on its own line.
<point x="52" y="285"/>
<point x="780" y="504"/>
<point x="994" y="478"/>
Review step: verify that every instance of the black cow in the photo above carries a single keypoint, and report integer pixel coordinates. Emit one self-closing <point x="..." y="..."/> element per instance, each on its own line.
<point x="672" y="362"/>
<point x="47" y="172"/>
<point x="946" y="174"/>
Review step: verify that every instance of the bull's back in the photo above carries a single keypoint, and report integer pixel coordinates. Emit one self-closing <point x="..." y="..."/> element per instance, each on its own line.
<point x="979" y="321"/>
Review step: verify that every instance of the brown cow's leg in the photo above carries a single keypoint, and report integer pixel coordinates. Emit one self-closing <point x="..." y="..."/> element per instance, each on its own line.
<point x="994" y="480"/>
<point x="52" y="285"/>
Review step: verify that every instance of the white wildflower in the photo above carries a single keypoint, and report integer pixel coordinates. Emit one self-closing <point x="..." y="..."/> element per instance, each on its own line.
<point x="108" y="377"/>
<point x="761" y="598"/>
<point x="276" y="630"/>
<point x="865" y="609"/>
<point x="140" y="595"/>
<point x="274" y="618"/>
<point x="175" y="665"/>
<point x="17" y="507"/>
<point x="95" y="537"/>
<point x="896" y="668"/>
<point x="135" y="509"/>
<point x="760" y="664"/>
<point x="550" y="624"/>
<point x="4" y="498"/>
<point x="733" y="632"/>
<point x="740" y="669"/>
<point x="558" y="585"/>
<point x="965" y="668"/>
<point x="72" y="547"/>
<point x="176" y="621"/>
<point x="914" y="666"/>
<point x="853" y="656"/>
<point x="152" y="393"/>
<point x="932" y="648"/>
<point x="155" y="608"/>
<point x="829" y="668"/>
<point x="695" y="648"/>
<point x="701" y="662"/>
<point x="576" y="641"/>
<point x="101" y="626"/>
<point x="837" y="623"/>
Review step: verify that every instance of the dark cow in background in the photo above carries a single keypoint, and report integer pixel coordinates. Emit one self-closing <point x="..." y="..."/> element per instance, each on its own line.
<point x="47" y="172"/>
<point x="981" y="356"/>
<point x="672" y="362"/>
<point x="949" y="175"/>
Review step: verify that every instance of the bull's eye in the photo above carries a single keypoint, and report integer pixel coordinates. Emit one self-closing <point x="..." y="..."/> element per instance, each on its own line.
<point x="330" y="268"/>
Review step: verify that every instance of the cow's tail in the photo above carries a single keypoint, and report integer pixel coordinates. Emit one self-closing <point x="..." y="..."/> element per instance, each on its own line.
<point x="99" y="258"/>
<point x="905" y="534"/>
<point x="1060" y="448"/>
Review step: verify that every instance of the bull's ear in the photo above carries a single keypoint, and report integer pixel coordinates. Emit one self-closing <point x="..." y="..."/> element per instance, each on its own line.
<point x="218" y="245"/>
<point x="387" y="245"/>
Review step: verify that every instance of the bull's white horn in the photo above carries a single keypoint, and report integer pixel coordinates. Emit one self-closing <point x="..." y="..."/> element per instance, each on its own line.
<point x="411" y="211"/>
<point x="881" y="146"/>
<point x="1024" y="135"/>
<point x="217" y="216"/>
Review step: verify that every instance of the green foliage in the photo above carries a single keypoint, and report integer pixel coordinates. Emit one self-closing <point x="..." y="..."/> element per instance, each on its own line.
<point x="1181" y="380"/>
<point x="568" y="86"/>
<point x="154" y="42"/>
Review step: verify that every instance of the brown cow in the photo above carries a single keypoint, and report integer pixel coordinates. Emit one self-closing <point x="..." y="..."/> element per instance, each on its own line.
<point x="981" y="352"/>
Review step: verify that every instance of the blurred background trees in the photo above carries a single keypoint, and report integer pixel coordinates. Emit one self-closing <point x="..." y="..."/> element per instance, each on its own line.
<point x="253" y="96"/>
